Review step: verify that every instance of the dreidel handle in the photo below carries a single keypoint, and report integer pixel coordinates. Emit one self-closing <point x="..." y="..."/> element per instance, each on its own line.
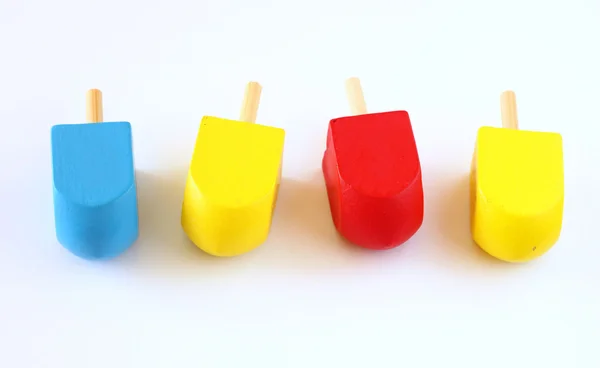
<point x="93" y="109"/>
<point x="355" y="96"/>
<point x="251" y="102"/>
<point x="508" y="106"/>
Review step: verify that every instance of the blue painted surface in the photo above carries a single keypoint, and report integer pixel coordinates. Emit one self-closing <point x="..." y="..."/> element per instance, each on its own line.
<point x="95" y="197"/>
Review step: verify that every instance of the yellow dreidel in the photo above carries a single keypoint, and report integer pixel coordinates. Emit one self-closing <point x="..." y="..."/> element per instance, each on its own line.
<point x="233" y="181"/>
<point x="517" y="188"/>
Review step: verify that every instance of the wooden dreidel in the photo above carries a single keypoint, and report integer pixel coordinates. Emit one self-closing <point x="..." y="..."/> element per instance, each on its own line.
<point x="233" y="181"/>
<point x="373" y="175"/>
<point x="95" y="200"/>
<point x="517" y="188"/>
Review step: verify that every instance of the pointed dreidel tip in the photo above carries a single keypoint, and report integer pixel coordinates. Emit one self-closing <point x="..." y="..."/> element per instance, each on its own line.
<point x="93" y="111"/>
<point x="251" y="102"/>
<point x="355" y="96"/>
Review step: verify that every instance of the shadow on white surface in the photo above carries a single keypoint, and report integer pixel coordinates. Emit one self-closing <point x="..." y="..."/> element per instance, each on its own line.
<point x="454" y="246"/>
<point x="162" y="246"/>
<point x="302" y="238"/>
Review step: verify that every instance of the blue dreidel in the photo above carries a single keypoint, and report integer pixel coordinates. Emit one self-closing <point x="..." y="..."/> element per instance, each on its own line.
<point x="95" y="198"/>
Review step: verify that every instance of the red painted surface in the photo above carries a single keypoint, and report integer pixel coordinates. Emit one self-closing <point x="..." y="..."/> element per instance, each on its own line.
<point x="373" y="176"/>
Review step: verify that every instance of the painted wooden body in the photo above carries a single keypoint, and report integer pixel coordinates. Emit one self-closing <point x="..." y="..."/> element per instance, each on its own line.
<point x="95" y="200"/>
<point x="373" y="176"/>
<point x="232" y="185"/>
<point x="517" y="192"/>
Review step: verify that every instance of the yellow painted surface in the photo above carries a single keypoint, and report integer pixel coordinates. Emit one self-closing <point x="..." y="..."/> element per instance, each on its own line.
<point x="232" y="185"/>
<point x="517" y="192"/>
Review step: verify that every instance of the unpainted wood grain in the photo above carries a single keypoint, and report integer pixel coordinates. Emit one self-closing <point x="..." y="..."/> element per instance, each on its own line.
<point x="508" y="106"/>
<point x="93" y="109"/>
<point x="251" y="102"/>
<point x="355" y="96"/>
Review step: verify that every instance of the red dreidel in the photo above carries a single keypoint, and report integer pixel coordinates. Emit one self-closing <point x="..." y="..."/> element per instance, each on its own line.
<point x="373" y="175"/>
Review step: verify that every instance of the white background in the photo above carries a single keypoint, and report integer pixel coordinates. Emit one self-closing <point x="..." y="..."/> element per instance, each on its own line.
<point x="304" y="298"/>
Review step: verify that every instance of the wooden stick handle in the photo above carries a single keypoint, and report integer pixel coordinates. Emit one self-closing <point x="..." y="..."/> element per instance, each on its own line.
<point x="251" y="101"/>
<point x="355" y="96"/>
<point x="93" y="111"/>
<point x="508" y="106"/>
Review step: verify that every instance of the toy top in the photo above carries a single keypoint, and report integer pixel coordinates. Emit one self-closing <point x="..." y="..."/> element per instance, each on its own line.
<point x="376" y="153"/>
<point x="92" y="163"/>
<point x="522" y="170"/>
<point x="235" y="163"/>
